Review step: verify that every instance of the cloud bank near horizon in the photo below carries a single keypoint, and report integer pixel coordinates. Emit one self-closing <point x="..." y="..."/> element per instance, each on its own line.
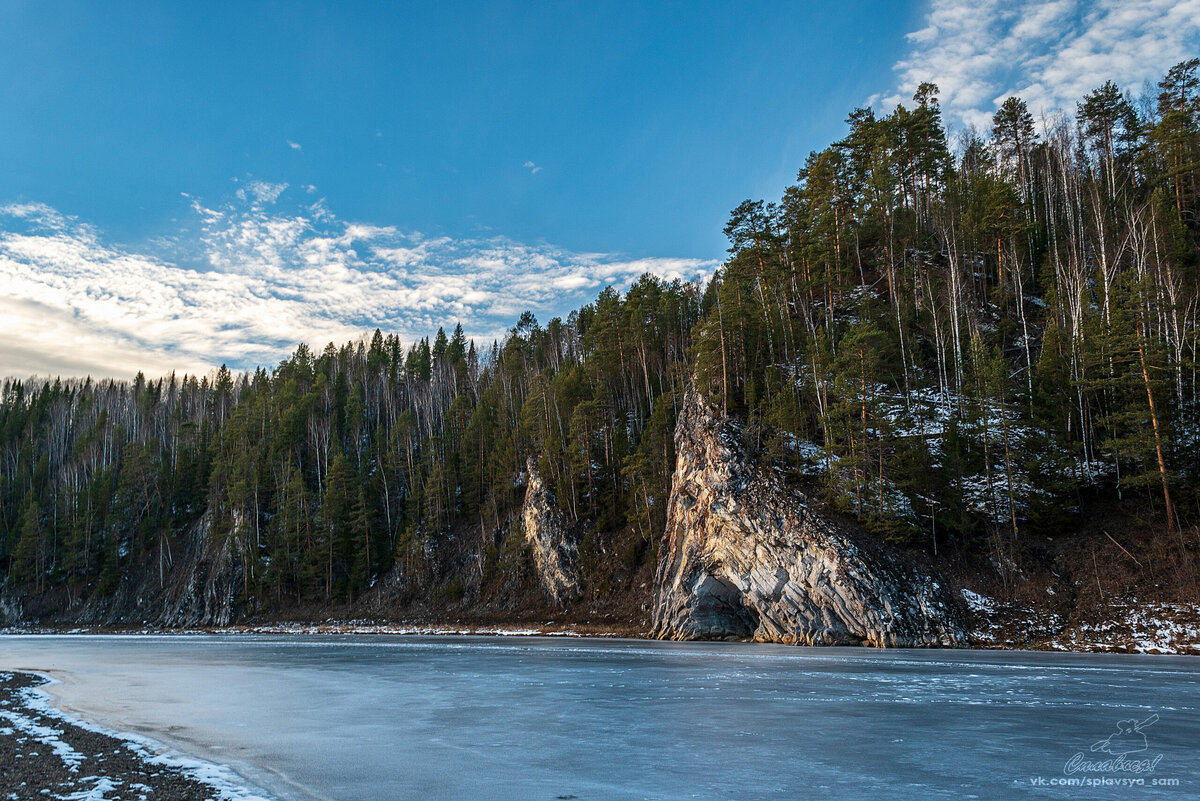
<point x="257" y="277"/>
<point x="1049" y="52"/>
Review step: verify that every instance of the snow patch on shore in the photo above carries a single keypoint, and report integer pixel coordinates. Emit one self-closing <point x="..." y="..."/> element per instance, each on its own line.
<point x="45" y="735"/>
<point x="99" y="792"/>
<point x="1128" y="626"/>
<point x="979" y="603"/>
<point x="226" y="784"/>
<point x="1140" y="627"/>
<point x="337" y="627"/>
<point x="368" y="627"/>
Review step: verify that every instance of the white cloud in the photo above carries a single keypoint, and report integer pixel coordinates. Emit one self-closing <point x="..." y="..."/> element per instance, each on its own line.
<point x="261" y="191"/>
<point x="294" y="145"/>
<point x="533" y="168"/>
<point x="1049" y="52"/>
<point x="254" y="280"/>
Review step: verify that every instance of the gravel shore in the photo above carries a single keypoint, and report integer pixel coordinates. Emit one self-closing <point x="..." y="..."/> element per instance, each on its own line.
<point x="43" y="755"/>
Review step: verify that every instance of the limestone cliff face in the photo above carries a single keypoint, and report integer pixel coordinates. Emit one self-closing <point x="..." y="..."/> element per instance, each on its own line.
<point x="746" y="557"/>
<point x="555" y="551"/>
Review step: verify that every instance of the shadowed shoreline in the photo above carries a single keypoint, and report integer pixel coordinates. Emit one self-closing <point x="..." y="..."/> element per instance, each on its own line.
<point x="44" y="754"/>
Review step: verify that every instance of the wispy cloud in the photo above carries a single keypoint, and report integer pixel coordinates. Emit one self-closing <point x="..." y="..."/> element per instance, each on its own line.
<point x="1049" y="52"/>
<point x="533" y="168"/>
<point x="254" y="278"/>
<point x="261" y="192"/>
<point x="294" y="145"/>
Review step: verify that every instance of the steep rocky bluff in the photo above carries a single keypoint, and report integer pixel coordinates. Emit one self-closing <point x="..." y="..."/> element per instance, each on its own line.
<point x="746" y="557"/>
<point x="555" y="551"/>
<point x="195" y="583"/>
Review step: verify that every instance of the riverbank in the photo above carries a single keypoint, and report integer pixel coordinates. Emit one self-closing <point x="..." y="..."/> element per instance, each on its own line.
<point x="46" y="754"/>
<point x="1122" y="626"/>
<point x="1114" y="585"/>
<point x="349" y="627"/>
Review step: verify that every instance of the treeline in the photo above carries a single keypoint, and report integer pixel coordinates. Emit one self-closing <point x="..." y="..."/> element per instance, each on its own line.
<point x="335" y="467"/>
<point x="953" y="343"/>
<point x="962" y="344"/>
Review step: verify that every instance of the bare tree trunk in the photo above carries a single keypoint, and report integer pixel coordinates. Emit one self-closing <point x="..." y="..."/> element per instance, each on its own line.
<point x="1162" y="465"/>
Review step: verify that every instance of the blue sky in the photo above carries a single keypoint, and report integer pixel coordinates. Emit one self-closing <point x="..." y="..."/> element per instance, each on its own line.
<point x="189" y="185"/>
<point x="648" y="121"/>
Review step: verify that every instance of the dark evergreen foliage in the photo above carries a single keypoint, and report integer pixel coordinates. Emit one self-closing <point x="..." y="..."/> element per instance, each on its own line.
<point x="953" y="346"/>
<point x="334" y="468"/>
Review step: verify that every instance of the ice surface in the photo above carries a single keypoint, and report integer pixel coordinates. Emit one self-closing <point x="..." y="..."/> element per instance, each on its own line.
<point x="360" y="717"/>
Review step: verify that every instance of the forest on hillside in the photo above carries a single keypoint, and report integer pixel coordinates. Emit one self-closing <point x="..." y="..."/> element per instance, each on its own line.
<point x="953" y="342"/>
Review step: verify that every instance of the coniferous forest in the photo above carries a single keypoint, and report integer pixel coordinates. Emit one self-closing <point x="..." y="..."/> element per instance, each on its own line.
<point x="957" y="341"/>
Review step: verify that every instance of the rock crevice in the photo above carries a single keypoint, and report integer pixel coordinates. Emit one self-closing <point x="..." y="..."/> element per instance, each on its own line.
<point x="746" y="557"/>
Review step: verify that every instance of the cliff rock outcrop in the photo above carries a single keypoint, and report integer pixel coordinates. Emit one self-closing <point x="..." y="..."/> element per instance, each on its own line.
<point x="10" y="610"/>
<point x="746" y="557"/>
<point x="555" y="551"/>
<point x="198" y="587"/>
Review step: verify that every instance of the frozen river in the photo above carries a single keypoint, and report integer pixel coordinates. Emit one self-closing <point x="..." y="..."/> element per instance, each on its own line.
<point x="376" y="717"/>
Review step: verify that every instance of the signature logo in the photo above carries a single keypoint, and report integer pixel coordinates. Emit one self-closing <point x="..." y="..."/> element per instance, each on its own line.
<point x="1122" y="759"/>
<point x="1124" y="751"/>
<point x="1128" y="738"/>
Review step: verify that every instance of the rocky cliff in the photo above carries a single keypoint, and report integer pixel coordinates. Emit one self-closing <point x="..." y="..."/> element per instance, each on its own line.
<point x="555" y="551"/>
<point x="196" y="582"/>
<point x="746" y="557"/>
<point x="10" y="610"/>
<point x="200" y="589"/>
